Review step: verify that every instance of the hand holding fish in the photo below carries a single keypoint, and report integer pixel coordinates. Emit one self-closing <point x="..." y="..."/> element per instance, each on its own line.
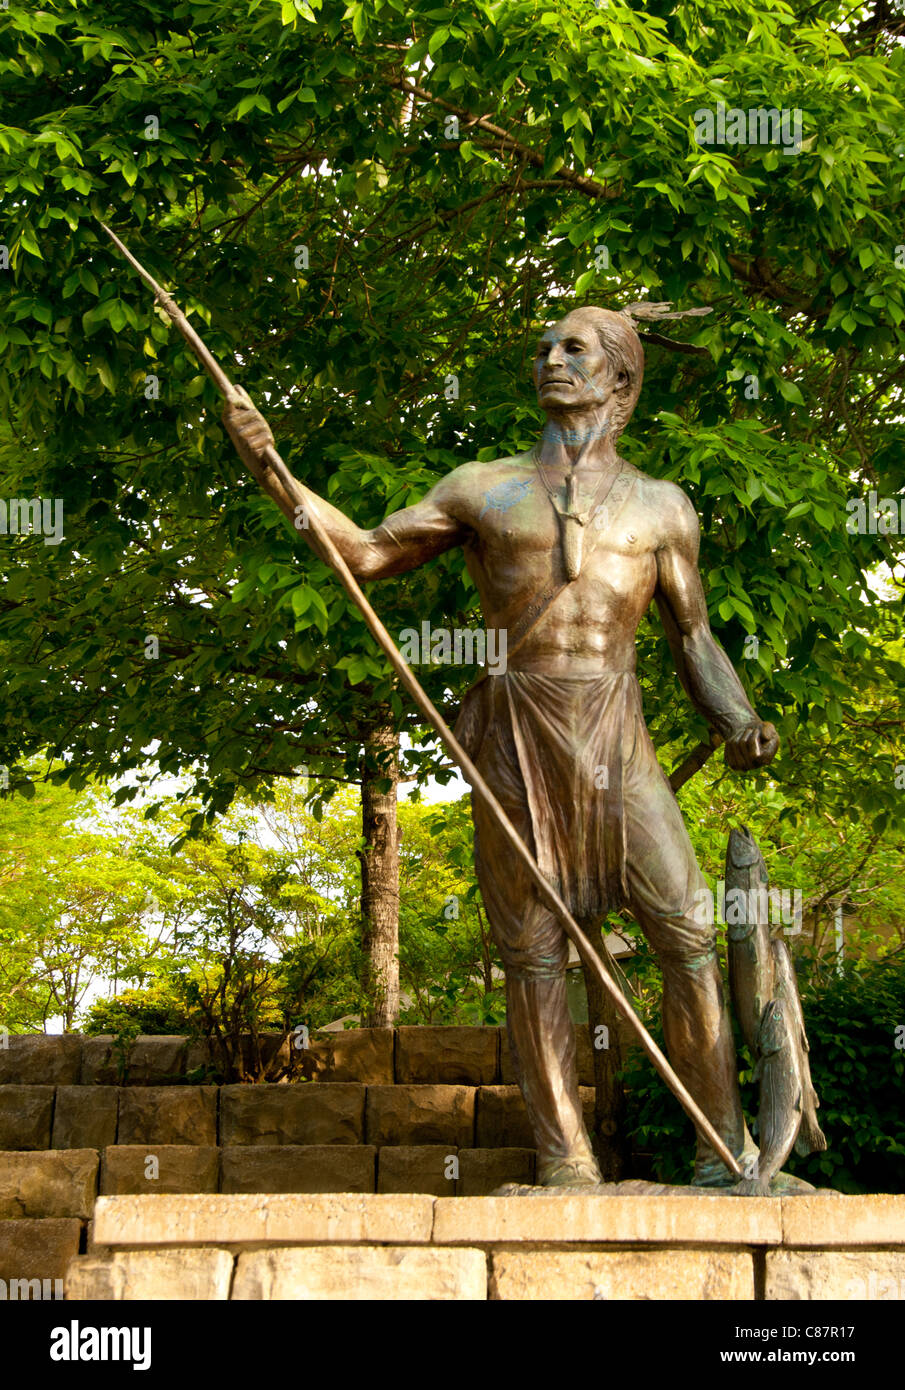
<point x="754" y="746"/>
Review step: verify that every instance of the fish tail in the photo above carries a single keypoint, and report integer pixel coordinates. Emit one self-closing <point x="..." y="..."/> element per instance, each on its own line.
<point x="811" y="1138"/>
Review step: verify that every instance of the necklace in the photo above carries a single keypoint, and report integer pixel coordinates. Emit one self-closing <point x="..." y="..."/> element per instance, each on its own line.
<point x="571" y="521"/>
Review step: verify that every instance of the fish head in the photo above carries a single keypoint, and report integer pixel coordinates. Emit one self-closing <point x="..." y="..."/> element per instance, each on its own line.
<point x="773" y="1034"/>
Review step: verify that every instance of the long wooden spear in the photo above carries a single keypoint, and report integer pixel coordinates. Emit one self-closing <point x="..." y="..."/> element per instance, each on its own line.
<point x="294" y="499"/>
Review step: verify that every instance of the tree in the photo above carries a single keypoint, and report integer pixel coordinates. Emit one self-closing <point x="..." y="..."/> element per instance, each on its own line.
<point x="371" y="208"/>
<point x="72" y="910"/>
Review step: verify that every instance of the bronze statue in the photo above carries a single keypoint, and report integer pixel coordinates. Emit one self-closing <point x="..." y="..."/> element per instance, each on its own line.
<point x="567" y="545"/>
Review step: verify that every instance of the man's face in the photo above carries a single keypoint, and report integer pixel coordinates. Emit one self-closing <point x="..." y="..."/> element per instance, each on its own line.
<point x="571" y="369"/>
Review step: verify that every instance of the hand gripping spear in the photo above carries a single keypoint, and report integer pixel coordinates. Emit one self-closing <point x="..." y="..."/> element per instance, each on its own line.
<point x="294" y="500"/>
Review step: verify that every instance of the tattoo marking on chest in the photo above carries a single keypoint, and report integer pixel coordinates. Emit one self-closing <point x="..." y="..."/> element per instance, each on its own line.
<point x="505" y="495"/>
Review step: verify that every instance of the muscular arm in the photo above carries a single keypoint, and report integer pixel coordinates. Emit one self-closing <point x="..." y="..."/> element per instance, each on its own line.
<point x="402" y="542"/>
<point x="704" y="669"/>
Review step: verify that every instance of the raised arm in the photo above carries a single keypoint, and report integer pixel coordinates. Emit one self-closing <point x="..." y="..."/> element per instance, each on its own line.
<point x="704" y="669"/>
<point x="402" y="542"/>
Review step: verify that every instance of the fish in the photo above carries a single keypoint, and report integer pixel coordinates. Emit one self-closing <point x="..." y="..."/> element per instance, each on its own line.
<point x="765" y="998"/>
<point x="810" y="1138"/>
<point x="750" y="957"/>
<point x="781" y="1088"/>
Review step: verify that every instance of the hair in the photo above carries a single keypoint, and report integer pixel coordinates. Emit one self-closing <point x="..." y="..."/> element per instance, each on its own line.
<point x="624" y="353"/>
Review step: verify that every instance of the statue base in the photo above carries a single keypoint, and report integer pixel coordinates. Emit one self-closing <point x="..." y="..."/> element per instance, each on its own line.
<point x="636" y="1187"/>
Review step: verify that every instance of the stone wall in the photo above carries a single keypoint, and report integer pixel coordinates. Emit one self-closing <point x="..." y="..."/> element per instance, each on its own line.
<point x="371" y="1056"/>
<point x="540" y="1247"/>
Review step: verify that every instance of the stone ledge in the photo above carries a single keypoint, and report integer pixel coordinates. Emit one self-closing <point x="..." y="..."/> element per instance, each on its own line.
<point x="621" y="1275"/>
<point x="158" y="1275"/>
<point x="354" y="1274"/>
<point x="849" y="1275"/>
<point x="252" y="1219"/>
<point x="840" y="1220"/>
<point x="562" y="1218"/>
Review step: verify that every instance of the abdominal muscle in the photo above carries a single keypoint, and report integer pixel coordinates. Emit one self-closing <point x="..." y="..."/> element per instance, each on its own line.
<point x="589" y="628"/>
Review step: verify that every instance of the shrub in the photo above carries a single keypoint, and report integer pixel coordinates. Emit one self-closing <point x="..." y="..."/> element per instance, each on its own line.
<point x="858" y="1071"/>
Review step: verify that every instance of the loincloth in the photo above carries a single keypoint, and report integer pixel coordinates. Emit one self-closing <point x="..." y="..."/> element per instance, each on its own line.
<point x="561" y="745"/>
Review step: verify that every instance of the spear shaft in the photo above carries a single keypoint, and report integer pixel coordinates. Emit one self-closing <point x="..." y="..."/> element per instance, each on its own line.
<point x="295" y="500"/>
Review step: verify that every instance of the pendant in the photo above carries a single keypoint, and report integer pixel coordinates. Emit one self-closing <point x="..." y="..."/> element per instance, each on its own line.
<point x="572" y="544"/>
<point x="572" y="531"/>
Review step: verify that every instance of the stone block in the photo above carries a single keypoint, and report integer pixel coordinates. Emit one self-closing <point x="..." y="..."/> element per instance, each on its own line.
<point x="274" y="1219"/>
<point x="299" y="1168"/>
<point x="41" y="1059"/>
<point x="560" y="1218"/>
<point x="584" y="1054"/>
<point x="168" y="1115"/>
<point x="621" y="1275"/>
<point x="36" y="1249"/>
<point x="502" y="1120"/>
<point x="158" y="1275"/>
<point x="481" y="1171"/>
<point x="25" y="1117"/>
<point x="417" y="1168"/>
<point x="133" y="1168"/>
<point x="356" y="1054"/>
<point x="447" y="1056"/>
<point x="364" y="1273"/>
<point x="332" y="1113"/>
<point x="849" y="1275"/>
<point x="99" y="1061"/>
<point x="156" y="1060"/>
<point x="833" y="1219"/>
<point x="276" y="1052"/>
<point x="85" y="1117"/>
<point x="56" y="1182"/>
<point x="421" y="1115"/>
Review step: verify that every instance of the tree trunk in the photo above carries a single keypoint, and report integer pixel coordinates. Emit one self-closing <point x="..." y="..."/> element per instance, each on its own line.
<point x="609" y="1139"/>
<point x="380" y="879"/>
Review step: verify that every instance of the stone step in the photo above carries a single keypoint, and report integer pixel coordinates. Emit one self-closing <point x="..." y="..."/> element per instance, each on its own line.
<point x="549" y="1218"/>
<point x="438" y="1169"/>
<point x="540" y="1247"/>
<point x="418" y="1055"/>
<point x="37" y="1249"/>
<point x="315" y="1273"/>
<point x="59" y="1183"/>
<point x="38" y="1117"/>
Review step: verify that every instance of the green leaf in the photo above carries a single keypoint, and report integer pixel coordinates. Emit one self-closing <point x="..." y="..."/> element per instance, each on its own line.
<point x="29" y="243"/>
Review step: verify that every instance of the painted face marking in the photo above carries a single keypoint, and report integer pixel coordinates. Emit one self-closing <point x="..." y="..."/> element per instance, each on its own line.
<point x="552" y="337"/>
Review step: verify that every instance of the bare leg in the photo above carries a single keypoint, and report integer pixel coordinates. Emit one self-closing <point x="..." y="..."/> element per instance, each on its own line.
<point x="541" y="1036"/>
<point x="542" y="1045"/>
<point x="665" y="891"/>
